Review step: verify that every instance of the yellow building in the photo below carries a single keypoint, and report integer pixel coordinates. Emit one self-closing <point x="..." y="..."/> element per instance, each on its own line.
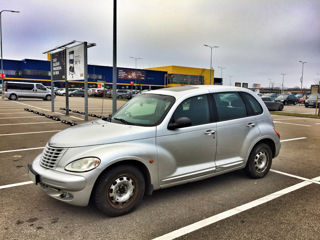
<point x="180" y="76"/>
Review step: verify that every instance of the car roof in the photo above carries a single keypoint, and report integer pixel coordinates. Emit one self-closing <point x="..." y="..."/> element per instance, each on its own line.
<point x="178" y="92"/>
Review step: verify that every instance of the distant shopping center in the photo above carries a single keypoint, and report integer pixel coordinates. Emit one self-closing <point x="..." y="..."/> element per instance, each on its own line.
<point x="152" y="78"/>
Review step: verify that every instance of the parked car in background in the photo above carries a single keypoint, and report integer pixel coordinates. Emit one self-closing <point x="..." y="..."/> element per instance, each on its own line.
<point x="287" y="99"/>
<point x="77" y="93"/>
<point x="273" y="96"/>
<point x="272" y="105"/>
<point x="15" y="90"/>
<point x="61" y="91"/>
<point x="149" y="144"/>
<point x="312" y="101"/>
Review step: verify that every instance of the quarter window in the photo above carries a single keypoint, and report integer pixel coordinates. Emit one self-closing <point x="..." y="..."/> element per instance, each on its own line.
<point x="229" y="106"/>
<point x="195" y="108"/>
<point x="254" y="106"/>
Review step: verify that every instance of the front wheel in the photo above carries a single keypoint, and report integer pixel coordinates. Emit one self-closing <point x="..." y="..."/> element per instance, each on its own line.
<point x="259" y="162"/>
<point x="119" y="190"/>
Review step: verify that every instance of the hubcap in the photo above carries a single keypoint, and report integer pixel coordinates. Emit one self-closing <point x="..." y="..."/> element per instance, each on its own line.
<point x="121" y="190"/>
<point x="260" y="161"/>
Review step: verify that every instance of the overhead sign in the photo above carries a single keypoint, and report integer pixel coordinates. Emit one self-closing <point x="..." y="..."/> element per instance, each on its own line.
<point x="75" y="63"/>
<point x="237" y="84"/>
<point x="245" y="85"/>
<point x="129" y="74"/>
<point x="58" y="60"/>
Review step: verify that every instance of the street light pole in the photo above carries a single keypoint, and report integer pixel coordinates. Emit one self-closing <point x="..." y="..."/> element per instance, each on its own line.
<point x="283" y="74"/>
<point x="301" y="79"/>
<point x="221" y="70"/>
<point x="211" y="47"/>
<point x="114" y="69"/>
<point x="135" y="60"/>
<point x="2" y="72"/>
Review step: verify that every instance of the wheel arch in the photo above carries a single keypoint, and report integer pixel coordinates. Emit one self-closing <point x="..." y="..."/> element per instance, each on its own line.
<point x="269" y="142"/>
<point x="137" y="164"/>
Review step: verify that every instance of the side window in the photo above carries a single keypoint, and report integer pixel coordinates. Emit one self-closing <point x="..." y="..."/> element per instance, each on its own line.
<point x="195" y="108"/>
<point x="40" y="87"/>
<point x="254" y="105"/>
<point x="229" y="106"/>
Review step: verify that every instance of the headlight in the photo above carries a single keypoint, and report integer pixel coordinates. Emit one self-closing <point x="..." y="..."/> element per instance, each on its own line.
<point x="83" y="164"/>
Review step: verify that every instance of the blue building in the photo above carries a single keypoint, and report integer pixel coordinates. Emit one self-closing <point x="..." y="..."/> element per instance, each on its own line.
<point x="39" y="71"/>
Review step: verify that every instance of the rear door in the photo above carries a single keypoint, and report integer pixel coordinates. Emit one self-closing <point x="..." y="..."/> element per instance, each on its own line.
<point x="236" y="129"/>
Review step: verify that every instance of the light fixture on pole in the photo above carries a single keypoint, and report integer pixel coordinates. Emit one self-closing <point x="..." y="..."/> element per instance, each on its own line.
<point x="211" y="47"/>
<point x="2" y="72"/>
<point x="221" y="71"/>
<point x="301" y="79"/>
<point x="283" y="74"/>
<point x="136" y="60"/>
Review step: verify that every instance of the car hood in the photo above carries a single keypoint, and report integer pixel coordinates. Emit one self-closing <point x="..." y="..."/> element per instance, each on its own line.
<point x="100" y="132"/>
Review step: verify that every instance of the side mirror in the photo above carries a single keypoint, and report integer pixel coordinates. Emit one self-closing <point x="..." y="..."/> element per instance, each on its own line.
<point x="180" y="123"/>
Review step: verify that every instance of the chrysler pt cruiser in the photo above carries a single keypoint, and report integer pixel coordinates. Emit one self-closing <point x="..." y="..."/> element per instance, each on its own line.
<point x="158" y="139"/>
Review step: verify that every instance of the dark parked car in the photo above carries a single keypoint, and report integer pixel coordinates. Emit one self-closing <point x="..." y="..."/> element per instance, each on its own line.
<point x="287" y="99"/>
<point x="77" y="93"/>
<point x="312" y="100"/>
<point x="273" y="96"/>
<point x="272" y="105"/>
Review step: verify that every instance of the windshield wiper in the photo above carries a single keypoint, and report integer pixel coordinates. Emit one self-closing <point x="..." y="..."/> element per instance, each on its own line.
<point x="107" y="118"/>
<point x="123" y="121"/>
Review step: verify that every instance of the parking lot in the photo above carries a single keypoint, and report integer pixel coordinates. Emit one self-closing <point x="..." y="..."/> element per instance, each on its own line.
<point x="283" y="205"/>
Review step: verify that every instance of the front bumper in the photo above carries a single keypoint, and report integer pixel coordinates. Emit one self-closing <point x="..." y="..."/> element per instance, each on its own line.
<point x="66" y="187"/>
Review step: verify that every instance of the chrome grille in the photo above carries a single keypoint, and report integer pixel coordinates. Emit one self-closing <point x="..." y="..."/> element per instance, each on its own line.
<point x="50" y="156"/>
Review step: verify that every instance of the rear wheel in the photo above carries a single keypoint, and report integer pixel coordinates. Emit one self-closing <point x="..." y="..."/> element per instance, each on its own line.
<point x="13" y="97"/>
<point x="119" y="190"/>
<point x="259" y="162"/>
<point x="281" y="107"/>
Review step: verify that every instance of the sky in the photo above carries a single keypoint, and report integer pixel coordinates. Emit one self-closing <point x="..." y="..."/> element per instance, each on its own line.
<point x="258" y="39"/>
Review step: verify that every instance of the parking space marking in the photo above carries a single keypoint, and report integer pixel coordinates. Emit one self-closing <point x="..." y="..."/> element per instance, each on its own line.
<point x="26" y="133"/>
<point x="296" y="124"/>
<point x="294" y="176"/>
<point x="13" y="124"/>
<point x="21" y="149"/>
<point x="229" y="213"/>
<point x="15" y="185"/>
<point x="293" y="139"/>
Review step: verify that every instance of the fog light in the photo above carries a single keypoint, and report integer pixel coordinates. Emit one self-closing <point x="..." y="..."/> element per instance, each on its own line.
<point x="66" y="196"/>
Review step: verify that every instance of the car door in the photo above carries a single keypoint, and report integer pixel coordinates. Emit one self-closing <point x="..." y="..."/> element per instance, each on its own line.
<point x="236" y="129"/>
<point x="188" y="153"/>
<point x="41" y="91"/>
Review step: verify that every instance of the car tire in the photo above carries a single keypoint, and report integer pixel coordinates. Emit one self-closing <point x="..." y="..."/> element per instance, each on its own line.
<point x="259" y="162"/>
<point x="294" y="103"/>
<point x="119" y="190"/>
<point x="13" y="97"/>
<point x="48" y="98"/>
<point x="306" y="105"/>
<point x="280" y="107"/>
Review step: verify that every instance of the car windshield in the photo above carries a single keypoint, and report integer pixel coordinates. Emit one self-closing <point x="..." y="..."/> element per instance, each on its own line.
<point x="266" y="99"/>
<point x="144" y="110"/>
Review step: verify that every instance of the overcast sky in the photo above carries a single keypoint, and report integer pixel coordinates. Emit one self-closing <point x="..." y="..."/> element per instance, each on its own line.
<point x="258" y="39"/>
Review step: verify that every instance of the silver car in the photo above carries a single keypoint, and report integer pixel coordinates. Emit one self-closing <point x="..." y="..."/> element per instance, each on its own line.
<point x="158" y="139"/>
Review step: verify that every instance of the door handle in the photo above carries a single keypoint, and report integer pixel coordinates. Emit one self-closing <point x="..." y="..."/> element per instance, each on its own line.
<point x="210" y="132"/>
<point x="250" y="125"/>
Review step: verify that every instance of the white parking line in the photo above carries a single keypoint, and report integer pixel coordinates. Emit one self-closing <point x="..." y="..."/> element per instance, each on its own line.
<point x="13" y="113"/>
<point x="46" y="110"/>
<point x="21" y="117"/>
<point x="15" y="185"/>
<point x="21" y="150"/>
<point x="229" y="213"/>
<point x="13" y="124"/>
<point x="296" y="124"/>
<point x="294" y="176"/>
<point x="293" y="139"/>
<point x="26" y="133"/>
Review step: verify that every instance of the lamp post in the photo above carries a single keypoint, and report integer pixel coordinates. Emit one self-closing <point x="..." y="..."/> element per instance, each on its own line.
<point x="211" y="47"/>
<point x="13" y="11"/>
<point x="283" y="74"/>
<point x="301" y="79"/>
<point x="136" y="60"/>
<point x="221" y="70"/>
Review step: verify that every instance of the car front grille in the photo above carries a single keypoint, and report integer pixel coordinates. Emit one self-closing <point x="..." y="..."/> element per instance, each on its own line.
<point x="50" y="156"/>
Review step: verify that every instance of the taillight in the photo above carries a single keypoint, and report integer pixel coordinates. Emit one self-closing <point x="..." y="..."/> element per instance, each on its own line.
<point x="277" y="132"/>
